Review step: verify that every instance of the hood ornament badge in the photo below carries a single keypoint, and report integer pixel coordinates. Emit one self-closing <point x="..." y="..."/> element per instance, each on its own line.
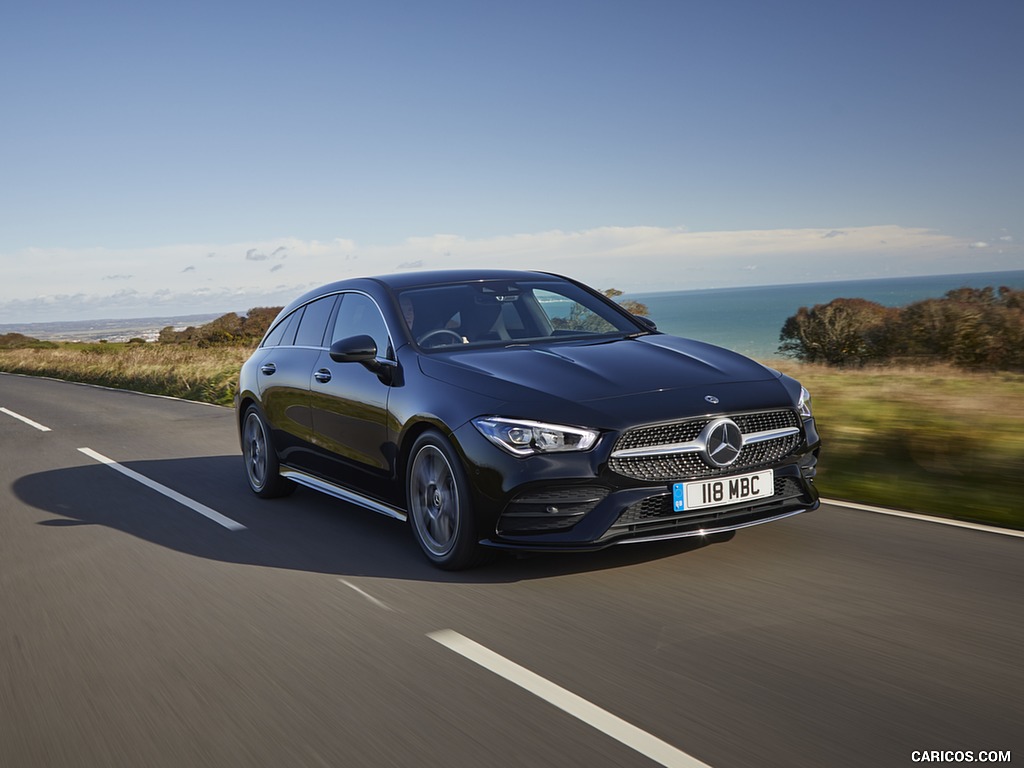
<point x="711" y="399"/>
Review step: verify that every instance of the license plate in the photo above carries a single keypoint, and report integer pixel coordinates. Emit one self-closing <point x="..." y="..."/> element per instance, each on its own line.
<point x="723" y="490"/>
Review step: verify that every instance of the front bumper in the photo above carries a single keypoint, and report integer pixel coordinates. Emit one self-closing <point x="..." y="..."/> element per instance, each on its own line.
<point x="575" y="502"/>
<point x="632" y="515"/>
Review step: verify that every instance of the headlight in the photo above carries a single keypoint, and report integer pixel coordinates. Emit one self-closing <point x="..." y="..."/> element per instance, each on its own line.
<point x="804" y="404"/>
<point x="526" y="438"/>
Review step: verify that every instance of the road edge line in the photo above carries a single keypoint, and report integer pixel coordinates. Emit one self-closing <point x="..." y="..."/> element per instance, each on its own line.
<point x="925" y="518"/>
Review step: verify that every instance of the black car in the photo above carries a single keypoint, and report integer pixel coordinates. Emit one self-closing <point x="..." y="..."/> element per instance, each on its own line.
<point x="518" y="410"/>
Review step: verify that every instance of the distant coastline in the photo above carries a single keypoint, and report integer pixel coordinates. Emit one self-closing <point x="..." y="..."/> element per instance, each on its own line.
<point x="111" y="330"/>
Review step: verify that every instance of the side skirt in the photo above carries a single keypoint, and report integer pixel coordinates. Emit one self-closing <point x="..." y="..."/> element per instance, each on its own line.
<point x="338" y="492"/>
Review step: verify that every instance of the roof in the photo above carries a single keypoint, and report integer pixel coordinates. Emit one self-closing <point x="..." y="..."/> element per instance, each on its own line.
<point x="399" y="281"/>
<point x="402" y="280"/>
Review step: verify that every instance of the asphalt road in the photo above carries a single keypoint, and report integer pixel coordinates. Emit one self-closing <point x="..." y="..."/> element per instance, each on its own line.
<point x="137" y="631"/>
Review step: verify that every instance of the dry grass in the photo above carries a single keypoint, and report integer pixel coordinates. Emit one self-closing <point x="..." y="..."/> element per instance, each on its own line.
<point x="209" y="375"/>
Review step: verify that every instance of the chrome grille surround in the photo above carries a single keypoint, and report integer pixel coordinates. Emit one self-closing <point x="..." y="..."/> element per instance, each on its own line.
<point x="672" y="451"/>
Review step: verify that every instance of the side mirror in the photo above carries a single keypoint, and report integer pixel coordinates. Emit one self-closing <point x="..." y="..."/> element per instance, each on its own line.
<point x="355" y="349"/>
<point x="646" y="322"/>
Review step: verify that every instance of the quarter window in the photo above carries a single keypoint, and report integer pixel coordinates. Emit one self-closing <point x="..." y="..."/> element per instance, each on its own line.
<point x="283" y="333"/>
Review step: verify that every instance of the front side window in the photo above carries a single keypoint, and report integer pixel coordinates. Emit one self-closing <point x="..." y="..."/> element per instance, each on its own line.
<point x="359" y="316"/>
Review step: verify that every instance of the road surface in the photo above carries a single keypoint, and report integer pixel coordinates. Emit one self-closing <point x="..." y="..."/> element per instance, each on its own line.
<point x="154" y="613"/>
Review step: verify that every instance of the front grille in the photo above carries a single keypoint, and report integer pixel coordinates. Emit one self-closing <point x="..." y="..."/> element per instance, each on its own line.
<point x="688" y="466"/>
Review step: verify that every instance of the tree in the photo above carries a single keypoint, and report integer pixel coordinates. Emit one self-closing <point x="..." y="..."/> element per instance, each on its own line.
<point x="980" y="328"/>
<point x="842" y="332"/>
<point x="582" y="319"/>
<point x="630" y="305"/>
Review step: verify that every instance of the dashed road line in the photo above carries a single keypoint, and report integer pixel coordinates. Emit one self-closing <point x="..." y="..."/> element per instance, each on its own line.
<point x="25" y="419"/>
<point x="367" y="595"/>
<point x="170" y="493"/>
<point x="639" y="740"/>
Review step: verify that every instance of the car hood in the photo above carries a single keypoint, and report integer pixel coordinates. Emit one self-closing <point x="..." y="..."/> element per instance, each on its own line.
<point x="655" y="370"/>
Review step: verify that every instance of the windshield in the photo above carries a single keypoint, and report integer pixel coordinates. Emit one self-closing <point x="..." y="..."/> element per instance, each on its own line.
<point x="489" y="312"/>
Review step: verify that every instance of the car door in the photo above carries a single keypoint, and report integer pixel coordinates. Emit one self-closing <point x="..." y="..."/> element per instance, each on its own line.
<point x="285" y="373"/>
<point x="349" y="403"/>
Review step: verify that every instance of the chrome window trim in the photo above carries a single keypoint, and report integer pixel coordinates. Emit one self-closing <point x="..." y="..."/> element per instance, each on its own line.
<point x="379" y="359"/>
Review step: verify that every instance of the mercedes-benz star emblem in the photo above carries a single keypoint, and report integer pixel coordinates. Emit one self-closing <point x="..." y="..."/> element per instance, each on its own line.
<point x="711" y="399"/>
<point x="723" y="442"/>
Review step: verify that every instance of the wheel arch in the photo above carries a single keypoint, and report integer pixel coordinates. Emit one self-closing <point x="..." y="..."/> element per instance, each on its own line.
<point x="409" y="437"/>
<point x="244" y="402"/>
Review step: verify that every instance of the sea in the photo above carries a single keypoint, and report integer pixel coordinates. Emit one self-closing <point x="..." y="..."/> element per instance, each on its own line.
<point x="748" y="320"/>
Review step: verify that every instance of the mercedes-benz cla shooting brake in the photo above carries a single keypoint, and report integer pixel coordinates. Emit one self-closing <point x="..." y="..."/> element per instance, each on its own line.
<point x="518" y="410"/>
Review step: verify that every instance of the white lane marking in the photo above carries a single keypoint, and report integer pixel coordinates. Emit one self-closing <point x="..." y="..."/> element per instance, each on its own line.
<point x="367" y="595"/>
<point x="926" y="518"/>
<point x="28" y="421"/>
<point x="650" y="746"/>
<point x="170" y="493"/>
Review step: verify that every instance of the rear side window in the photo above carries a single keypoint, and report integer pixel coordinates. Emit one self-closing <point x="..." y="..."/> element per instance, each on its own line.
<point x="284" y="332"/>
<point x="314" y="322"/>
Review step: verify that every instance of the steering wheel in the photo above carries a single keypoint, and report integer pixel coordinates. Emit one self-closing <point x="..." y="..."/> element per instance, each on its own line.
<point x="440" y="332"/>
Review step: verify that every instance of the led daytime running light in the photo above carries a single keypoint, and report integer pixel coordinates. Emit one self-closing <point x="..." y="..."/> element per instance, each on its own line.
<point x="526" y="438"/>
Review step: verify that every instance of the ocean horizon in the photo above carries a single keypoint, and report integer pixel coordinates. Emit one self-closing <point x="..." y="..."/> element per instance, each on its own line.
<point x="749" y="319"/>
<point x="746" y="319"/>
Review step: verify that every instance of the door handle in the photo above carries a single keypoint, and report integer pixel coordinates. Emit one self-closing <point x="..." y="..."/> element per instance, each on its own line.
<point x="323" y="375"/>
<point x="269" y="369"/>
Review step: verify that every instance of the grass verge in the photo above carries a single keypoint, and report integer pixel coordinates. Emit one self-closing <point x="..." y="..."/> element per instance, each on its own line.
<point x="208" y="375"/>
<point x="934" y="440"/>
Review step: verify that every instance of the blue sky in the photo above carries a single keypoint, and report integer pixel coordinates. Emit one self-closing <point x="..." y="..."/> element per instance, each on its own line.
<point x="183" y="157"/>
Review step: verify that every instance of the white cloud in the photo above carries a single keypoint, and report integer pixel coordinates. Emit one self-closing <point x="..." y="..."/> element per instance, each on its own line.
<point x="979" y="244"/>
<point x="62" y="284"/>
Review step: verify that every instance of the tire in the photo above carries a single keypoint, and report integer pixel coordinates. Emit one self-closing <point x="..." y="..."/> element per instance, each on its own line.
<point x="440" y="510"/>
<point x="262" y="469"/>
